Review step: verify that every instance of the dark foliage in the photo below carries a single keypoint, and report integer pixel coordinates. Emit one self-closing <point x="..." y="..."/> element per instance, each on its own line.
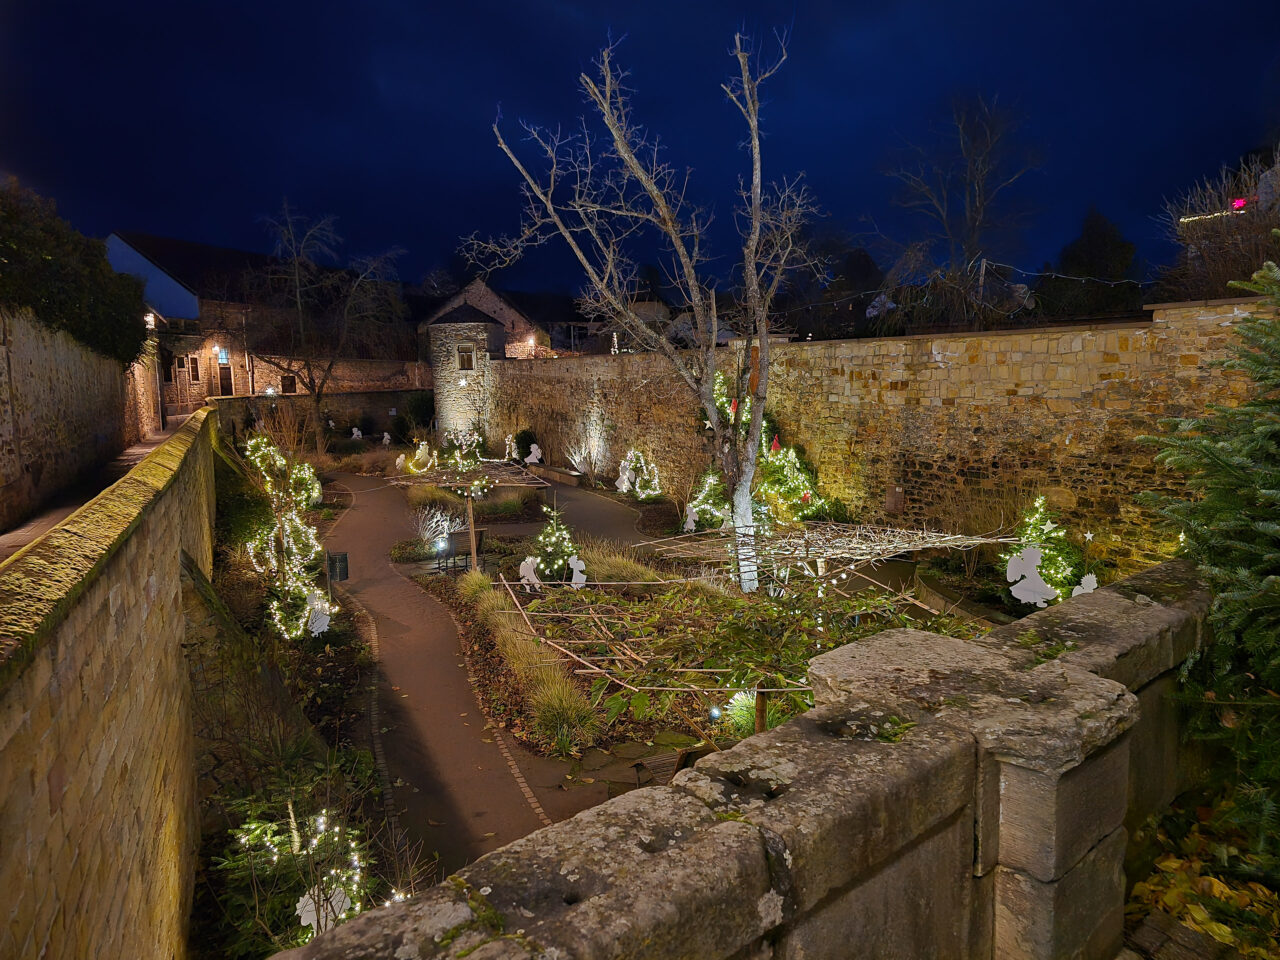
<point x="1100" y="253"/>
<point x="524" y="440"/>
<point x="64" y="278"/>
<point x="1231" y="459"/>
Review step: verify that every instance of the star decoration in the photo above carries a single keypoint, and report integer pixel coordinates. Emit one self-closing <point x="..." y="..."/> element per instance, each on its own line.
<point x="1049" y="525"/>
<point x="706" y="424"/>
<point x="1088" y="537"/>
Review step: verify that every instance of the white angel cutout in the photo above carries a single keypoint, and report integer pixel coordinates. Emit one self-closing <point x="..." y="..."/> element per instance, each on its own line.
<point x="1088" y="584"/>
<point x="626" y="477"/>
<point x="1023" y="572"/>
<point x="386" y="439"/>
<point x="400" y="463"/>
<point x="356" y="434"/>
<point x="690" y="519"/>
<point x="535" y="454"/>
<point x="579" y="569"/>
<point x="317" y="613"/>
<point x="529" y="574"/>
<point x="320" y="909"/>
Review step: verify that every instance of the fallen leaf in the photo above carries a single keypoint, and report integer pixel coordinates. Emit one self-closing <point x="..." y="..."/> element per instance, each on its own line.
<point x="489" y="836"/>
<point x="434" y="823"/>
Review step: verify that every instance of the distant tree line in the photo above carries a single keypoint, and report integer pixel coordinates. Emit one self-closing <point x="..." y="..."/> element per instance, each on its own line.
<point x="64" y="278"/>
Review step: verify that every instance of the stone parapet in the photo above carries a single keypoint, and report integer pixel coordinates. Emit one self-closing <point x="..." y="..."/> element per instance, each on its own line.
<point x="98" y="817"/>
<point x="944" y="798"/>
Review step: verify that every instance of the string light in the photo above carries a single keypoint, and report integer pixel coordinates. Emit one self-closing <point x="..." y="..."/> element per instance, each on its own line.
<point x="289" y="550"/>
<point x="554" y="548"/>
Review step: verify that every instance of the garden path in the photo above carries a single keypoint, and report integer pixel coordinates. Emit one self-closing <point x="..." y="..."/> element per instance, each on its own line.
<point x="460" y="787"/>
<point x="84" y="489"/>
<point x="585" y="512"/>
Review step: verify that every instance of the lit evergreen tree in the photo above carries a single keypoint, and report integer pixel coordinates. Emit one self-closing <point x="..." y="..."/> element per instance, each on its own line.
<point x="554" y="547"/>
<point x="1060" y="559"/>
<point x="1231" y="527"/>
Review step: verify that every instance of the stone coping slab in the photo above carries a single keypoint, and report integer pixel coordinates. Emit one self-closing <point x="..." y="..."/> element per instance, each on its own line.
<point x="41" y="582"/>
<point x="1048" y="717"/>
<point x="840" y="789"/>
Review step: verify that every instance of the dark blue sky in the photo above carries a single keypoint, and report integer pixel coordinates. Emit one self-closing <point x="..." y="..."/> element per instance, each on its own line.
<point x="194" y="119"/>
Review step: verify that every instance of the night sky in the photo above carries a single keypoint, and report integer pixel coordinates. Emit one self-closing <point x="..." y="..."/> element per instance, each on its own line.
<point x="195" y="119"/>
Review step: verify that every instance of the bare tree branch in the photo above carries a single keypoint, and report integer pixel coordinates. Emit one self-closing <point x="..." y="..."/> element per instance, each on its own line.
<point x="604" y="192"/>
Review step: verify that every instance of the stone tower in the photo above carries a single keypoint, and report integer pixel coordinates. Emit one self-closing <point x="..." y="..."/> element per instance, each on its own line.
<point x="463" y="343"/>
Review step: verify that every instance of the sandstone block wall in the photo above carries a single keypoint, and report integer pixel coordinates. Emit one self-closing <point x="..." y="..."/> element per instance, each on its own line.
<point x="98" y="818"/>
<point x="63" y="409"/>
<point x="915" y="429"/>
<point x="345" y="409"/>
<point x="993" y="827"/>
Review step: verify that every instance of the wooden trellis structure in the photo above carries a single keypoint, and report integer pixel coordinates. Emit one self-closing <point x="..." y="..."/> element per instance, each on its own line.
<point x="830" y="551"/>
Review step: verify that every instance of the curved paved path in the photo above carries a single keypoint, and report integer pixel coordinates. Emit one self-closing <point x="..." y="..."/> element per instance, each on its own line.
<point x="461" y="788"/>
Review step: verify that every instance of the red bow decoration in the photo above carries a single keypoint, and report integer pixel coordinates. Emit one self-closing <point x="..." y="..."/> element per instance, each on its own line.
<point x="733" y="407"/>
<point x="805" y="497"/>
<point x="776" y="445"/>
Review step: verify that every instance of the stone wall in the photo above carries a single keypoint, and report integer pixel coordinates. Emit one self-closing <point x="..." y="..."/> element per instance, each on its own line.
<point x="944" y="799"/>
<point x="915" y="429"/>
<point x="345" y="409"/>
<point x="63" y="410"/>
<point x="98" y="818"/>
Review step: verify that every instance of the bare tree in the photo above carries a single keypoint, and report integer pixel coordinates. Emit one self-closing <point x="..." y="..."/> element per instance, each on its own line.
<point x="316" y="313"/>
<point x="960" y="184"/>
<point x="1224" y="228"/>
<point x="607" y="186"/>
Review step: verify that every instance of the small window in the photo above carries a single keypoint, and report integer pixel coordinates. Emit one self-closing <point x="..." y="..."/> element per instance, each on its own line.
<point x="195" y="369"/>
<point x="182" y="363"/>
<point x="288" y="384"/>
<point x="168" y="372"/>
<point x="224" y="355"/>
<point x="466" y="357"/>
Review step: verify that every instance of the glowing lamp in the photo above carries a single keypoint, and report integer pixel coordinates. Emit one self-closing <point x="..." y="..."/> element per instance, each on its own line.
<point x="1239" y="203"/>
<point x="150" y="319"/>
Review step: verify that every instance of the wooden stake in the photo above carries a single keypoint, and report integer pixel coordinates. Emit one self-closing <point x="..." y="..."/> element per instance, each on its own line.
<point x="471" y="527"/>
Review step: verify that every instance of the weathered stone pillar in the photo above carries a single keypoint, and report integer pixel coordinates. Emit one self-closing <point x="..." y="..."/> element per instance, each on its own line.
<point x="1051" y="789"/>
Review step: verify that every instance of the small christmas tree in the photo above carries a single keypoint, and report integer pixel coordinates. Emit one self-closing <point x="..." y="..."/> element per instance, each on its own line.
<point x="554" y="548"/>
<point x="1061" y="561"/>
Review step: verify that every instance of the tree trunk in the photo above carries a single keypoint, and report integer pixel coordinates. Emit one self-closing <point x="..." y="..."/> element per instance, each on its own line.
<point x="318" y="414"/>
<point x="471" y="527"/>
<point x="745" y="537"/>
<point x="762" y="712"/>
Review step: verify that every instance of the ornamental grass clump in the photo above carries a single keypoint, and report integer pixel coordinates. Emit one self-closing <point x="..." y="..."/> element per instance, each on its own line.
<point x="561" y="716"/>
<point x="428" y="495"/>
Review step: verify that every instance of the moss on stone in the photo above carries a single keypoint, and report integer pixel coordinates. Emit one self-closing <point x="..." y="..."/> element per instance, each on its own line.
<point x="40" y="583"/>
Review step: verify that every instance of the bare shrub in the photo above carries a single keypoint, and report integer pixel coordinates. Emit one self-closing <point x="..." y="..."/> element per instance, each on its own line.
<point x="434" y="523"/>
<point x="1224" y="226"/>
<point x="977" y="511"/>
<point x="588" y="457"/>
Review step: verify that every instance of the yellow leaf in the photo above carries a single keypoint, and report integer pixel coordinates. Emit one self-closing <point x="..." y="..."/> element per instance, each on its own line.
<point x="1200" y="914"/>
<point x="1219" y="932"/>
